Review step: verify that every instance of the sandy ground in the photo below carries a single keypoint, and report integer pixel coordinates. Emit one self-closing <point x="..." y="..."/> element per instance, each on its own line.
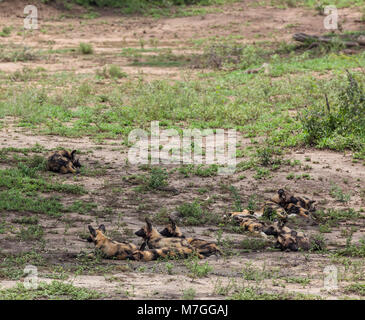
<point x="132" y="280"/>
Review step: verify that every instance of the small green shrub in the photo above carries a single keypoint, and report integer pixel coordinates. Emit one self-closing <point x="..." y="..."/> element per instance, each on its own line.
<point x="116" y="72"/>
<point x="340" y="126"/>
<point x="157" y="179"/>
<point x="86" y="48"/>
<point x="5" y="32"/>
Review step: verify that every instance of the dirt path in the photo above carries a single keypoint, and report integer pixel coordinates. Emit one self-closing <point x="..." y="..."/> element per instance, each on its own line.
<point x="110" y="182"/>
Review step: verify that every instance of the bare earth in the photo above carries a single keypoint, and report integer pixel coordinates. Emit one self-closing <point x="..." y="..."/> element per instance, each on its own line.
<point x="134" y="280"/>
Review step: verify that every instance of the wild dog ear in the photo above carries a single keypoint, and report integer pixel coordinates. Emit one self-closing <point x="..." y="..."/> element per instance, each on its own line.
<point x="102" y="228"/>
<point x="92" y="231"/>
<point x="173" y="224"/>
<point x="149" y="225"/>
<point x="281" y="192"/>
<point x="73" y="154"/>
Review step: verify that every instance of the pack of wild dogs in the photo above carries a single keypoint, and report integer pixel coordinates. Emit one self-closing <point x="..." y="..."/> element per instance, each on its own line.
<point x="170" y="242"/>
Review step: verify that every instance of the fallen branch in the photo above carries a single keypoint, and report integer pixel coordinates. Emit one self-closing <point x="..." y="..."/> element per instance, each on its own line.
<point x="314" y="40"/>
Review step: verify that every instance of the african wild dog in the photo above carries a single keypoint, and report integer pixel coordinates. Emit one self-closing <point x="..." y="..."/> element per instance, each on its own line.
<point x="154" y="240"/>
<point x="294" y="204"/>
<point x="63" y="162"/>
<point x="109" y="248"/>
<point x="273" y="212"/>
<point x="203" y="247"/>
<point x="288" y="239"/>
<point x="248" y="221"/>
<point x="154" y="254"/>
<point x="123" y="250"/>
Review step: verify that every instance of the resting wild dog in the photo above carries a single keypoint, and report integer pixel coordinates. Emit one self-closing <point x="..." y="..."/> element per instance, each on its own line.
<point x="111" y="249"/>
<point x="273" y="212"/>
<point x="248" y="221"/>
<point x="154" y="240"/>
<point x="203" y="247"/>
<point x="154" y="254"/>
<point x="63" y="162"/>
<point x="122" y="250"/>
<point x="294" y="204"/>
<point x="288" y="239"/>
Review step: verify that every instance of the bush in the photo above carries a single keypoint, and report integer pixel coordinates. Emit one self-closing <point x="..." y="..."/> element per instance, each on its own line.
<point x="86" y="48"/>
<point x="116" y="72"/>
<point x="193" y="214"/>
<point x="341" y="126"/>
<point x="157" y="179"/>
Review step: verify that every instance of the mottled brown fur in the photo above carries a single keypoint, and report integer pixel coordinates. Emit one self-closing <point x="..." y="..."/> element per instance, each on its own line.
<point x="294" y="204"/>
<point x="203" y="247"/>
<point x="248" y="221"/>
<point x="154" y="240"/>
<point x="288" y="239"/>
<point x="111" y="249"/>
<point x="63" y="162"/>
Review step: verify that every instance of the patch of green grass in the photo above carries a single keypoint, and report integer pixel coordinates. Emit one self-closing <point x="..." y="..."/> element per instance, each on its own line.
<point x="301" y="280"/>
<point x="116" y="72"/>
<point x="193" y="214"/>
<point x="163" y="59"/>
<point x="26" y="220"/>
<point x="5" y="32"/>
<point x="324" y="228"/>
<point x="353" y="250"/>
<point x="82" y="207"/>
<point x="254" y="244"/>
<point x="112" y="71"/>
<point x="339" y="195"/>
<point x="356" y="288"/>
<point x="55" y="290"/>
<point x="157" y="179"/>
<point x="199" y="170"/>
<point x="216" y="100"/>
<point x="332" y="217"/>
<point x="14" y="200"/>
<point x="12" y="265"/>
<point x="33" y="232"/>
<point x="198" y="270"/>
<point x="189" y="294"/>
<point x="15" y="53"/>
<point x="248" y="293"/>
<point x="341" y="124"/>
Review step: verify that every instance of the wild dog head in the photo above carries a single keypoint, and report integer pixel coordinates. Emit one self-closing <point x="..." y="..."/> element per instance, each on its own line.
<point x="98" y="235"/>
<point x="287" y="241"/>
<point x="285" y="237"/>
<point x="148" y="232"/>
<point x="172" y="230"/>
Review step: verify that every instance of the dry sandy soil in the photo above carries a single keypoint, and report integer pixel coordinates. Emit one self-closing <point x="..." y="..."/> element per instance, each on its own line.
<point x="133" y="280"/>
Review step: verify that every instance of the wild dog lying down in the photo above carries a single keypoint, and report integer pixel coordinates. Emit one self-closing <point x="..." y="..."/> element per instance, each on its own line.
<point x="111" y="249"/>
<point x="123" y="250"/>
<point x="154" y="240"/>
<point x="203" y="247"/>
<point x="273" y="212"/>
<point x="288" y="239"/>
<point x="63" y="162"/>
<point x="294" y="204"/>
<point x="248" y="221"/>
